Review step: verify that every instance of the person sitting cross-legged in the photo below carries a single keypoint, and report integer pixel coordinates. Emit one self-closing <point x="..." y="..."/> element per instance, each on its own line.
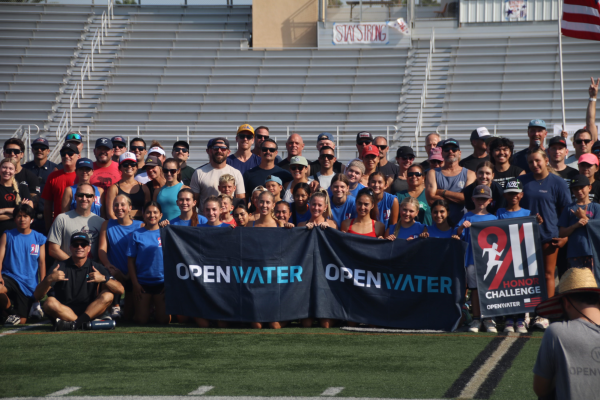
<point x="78" y="289"/>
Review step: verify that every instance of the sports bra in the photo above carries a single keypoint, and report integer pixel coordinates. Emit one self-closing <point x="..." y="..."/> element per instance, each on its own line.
<point x="137" y="199"/>
<point x="370" y="234"/>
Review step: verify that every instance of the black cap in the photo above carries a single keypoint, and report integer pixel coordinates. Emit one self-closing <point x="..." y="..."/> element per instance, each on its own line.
<point x="596" y="147"/>
<point x="364" y="136"/>
<point x="104" y="142"/>
<point x="580" y="180"/>
<point x="405" y="151"/>
<point x="69" y="147"/>
<point x="213" y="141"/>
<point x="480" y="134"/>
<point x="152" y="161"/>
<point x="118" y="139"/>
<point x="557" y="140"/>
<point x="84" y="163"/>
<point x="181" y="143"/>
<point x="40" y="142"/>
<point x="513" y="185"/>
<point x="81" y="236"/>
<point x="449" y="142"/>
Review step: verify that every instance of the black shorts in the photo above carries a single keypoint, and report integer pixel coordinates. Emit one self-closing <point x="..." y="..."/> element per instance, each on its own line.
<point x="18" y="299"/>
<point x="78" y="308"/>
<point x="128" y="286"/>
<point x="153" y="289"/>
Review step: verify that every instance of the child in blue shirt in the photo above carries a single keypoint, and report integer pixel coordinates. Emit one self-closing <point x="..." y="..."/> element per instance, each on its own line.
<point x="212" y="212"/>
<point x="408" y="229"/>
<point x="441" y="226"/>
<point x="482" y="197"/>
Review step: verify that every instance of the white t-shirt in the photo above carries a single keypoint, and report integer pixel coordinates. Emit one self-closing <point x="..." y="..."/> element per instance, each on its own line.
<point x="287" y="195"/>
<point x="325" y="180"/>
<point x="70" y="222"/>
<point x="205" y="181"/>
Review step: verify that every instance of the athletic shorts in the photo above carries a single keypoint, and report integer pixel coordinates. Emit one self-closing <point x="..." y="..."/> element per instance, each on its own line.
<point x="471" y="277"/>
<point x="78" y="308"/>
<point x="18" y="299"/>
<point x="153" y="289"/>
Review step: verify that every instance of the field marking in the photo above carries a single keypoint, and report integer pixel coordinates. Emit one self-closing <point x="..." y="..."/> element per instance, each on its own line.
<point x="201" y="390"/>
<point x="202" y="397"/>
<point x="482" y="373"/>
<point x="23" y="328"/>
<point x="386" y="330"/>
<point x="67" y="390"/>
<point x="332" y="391"/>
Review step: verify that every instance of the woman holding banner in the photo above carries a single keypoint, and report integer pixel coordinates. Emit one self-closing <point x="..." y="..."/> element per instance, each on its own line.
<point x="546" y="194"/>
<point x="442" y="226"/>
<point x="365" y="223"/>
<point x="342" y="203"/>
<point x="387" y="204"/>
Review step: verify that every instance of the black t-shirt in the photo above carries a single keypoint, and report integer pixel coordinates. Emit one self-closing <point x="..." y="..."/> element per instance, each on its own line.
<point x="520" y="160"/>
<point x="501" y="177"/>
<point x="8" y="200"/>
<point x="497" y="197"/>
<point x="76" y="290"/>
<point x="389" y="170"/>
<point x="256" y="177"/>
<point x="398" y="185"/>
<point x="426" y="165"/>
<point x="315" y="167"/>
<point x="26" y="177"/>
<point x="567" y="174"/>
<point x="471" y="162"/>
<point x="595" y="192"/>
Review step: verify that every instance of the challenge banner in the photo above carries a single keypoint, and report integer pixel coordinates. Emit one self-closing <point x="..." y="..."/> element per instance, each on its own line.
<point x="510" y="268"/>
<point x="266" y="275"/>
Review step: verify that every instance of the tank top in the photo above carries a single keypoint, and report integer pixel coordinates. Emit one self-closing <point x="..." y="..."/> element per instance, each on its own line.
<point x="167" y="198"/>
<point x="370" y="234"/>
<point x="453" y="184"/>
<point x="96" y="206"/>
<point x="137" y="199"/>
<point x="118" y="237"/>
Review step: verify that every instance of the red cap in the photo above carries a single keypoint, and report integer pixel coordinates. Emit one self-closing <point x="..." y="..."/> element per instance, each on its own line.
<point x="588" y="158"/>
<point x="370" y="149"/>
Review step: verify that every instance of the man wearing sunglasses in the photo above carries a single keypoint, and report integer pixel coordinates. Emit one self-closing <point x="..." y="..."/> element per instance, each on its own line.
<point x="119" y="147"/>
<point x="449" y="182"/>
<point x="106" y="171"/>
<point x="205" y="180"/>
<point x="582" y="141"/>
<point x="258" y="175"/>
<point x="81" y="219"/>
<point x="244" y="158"/>
<point x="138" y="147"/>
<point x="261" y="134"/>
<point x="15" y="150"/>
<point x="326" y="159"/>
<point x="390" y="170"/>
<point x="537" y="134"/>
<point x="325" y="139"/>
<point x="181" y="151"/>
<point x="480" y="154"/>
<point x="76" y="139"/>
<point x="363" y="139"/>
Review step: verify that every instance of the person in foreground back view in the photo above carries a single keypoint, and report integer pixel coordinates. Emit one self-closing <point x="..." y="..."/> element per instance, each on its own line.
<point x="568" y="362"/>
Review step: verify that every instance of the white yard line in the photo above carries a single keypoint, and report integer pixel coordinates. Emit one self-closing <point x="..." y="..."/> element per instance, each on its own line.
<point x="202" y="397"/>
<point x="332" y="391"/>
<point x="67" y="390"/>
<point x="23" y="328"/>
<point x="201" y="390"/>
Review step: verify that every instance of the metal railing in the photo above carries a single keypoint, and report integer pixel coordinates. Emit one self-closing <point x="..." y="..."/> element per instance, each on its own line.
<point x="23" y="132"/>
<point x="75" y="98"/>
<point x="419" y="125"/>
<point x="63" y="128"/>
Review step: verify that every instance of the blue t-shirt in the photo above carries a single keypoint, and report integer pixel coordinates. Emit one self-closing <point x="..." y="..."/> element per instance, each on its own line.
<point x="299" y="217"/>
<point x="343" y="212"/>
<point x="118" y="237"/>
<point x="435" y="232"/>
<point x="146" y="247"/>
<point x="21" y="258"/>
<point x="96" y="206"/>
<point x="253" y="161"/>
<point x="546" y="197"/>
<point x="503" y="214"/>
<point x="385" y="208"/>
<point x="222" y="225"/>
<point x="578" y="244"/>
<point x="187" y="222"/>
<point x="466" y="233"/>
<point x="404" y="233"/>
<point x="352" y="193"/>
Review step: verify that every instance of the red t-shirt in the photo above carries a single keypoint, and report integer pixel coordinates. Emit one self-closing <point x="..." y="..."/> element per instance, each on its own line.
<point x="105" y="177"/>
<point x="232" y="223"/>
<point x="55" y="187"/>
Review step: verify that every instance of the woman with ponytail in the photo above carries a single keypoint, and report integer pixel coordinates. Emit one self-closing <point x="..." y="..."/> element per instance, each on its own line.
<point x="365" y="223"/>
<point x="11" y="194"/>
<point x="266" y="217"/>
<point x="320" y="211"/>
<point x="187" y="206"/>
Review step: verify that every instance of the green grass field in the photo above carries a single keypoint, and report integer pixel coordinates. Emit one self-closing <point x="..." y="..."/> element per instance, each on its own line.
<point x="176" y="360"/>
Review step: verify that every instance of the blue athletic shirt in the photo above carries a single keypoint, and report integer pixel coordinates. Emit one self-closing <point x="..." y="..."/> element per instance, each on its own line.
<point x="466" y="233"/>
<point x="146" y="247"/>
<point x="21" y="258"/>
<point x="385" y="208"/>
<point x="299" y="217"/>
<point x="187" y="222"/>
<point x="578" y="244"/>
<point x="435" y="232"/>
<point x="344" y="211"/>
<point x="96" y="206"/>
<point x="352" y="193"/>
<point x="404" y="233"/>
<point x="503" y="214"/>
<point x="222" y="225"/>
<point x="546" y="197"/>
<point x="118" y="237"/>
<point x="253" y="161"/>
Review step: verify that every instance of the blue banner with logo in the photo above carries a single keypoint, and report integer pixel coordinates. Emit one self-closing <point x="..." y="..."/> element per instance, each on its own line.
<point x="271" y="274"/>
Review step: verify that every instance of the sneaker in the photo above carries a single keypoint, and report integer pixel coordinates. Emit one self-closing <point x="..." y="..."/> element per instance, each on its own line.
<point x="474" y="326"/>
<point x="12" y="320"/>
<point x="106" y="315"/>
<point x="490" y="325"/>
<point x="115" y="312"/>
<point x="36" y="311"/>
<point x="509" y="326"/>
<point x="527" y="320"/>
<point x="541" y="323"/>
<point x="64" y="325"/>
<point x="521" y="328"/>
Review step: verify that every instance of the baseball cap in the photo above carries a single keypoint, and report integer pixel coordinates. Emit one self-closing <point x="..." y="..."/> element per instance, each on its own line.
<point x="449" y="142"/>
<point x="575" y="280"/>
<point x="158" y="150"/>
<point x="480" y="133"/>
<point x="118" y="139"/>
<point x="482" y="192"/>
<point x="436" y="154"/>
<point x="404" y="151"/>
<point x="103" y="142"/>
<point x="40" y="142"/>
<point x="84" y="163"/>
<point x="127" y="156"/>
<point x="596" y="147"/>
<point x="298" y="160"/>
<point x="363" y="136"/>
<point x="540" y="123"/>
<point x="245" y="128"/>
<point x="69" y="147"/>
<point x="580" y="180"/>
<point x="324" y="136"/>
<point x="74" y="137"/>
<point x="370" y="150"/>
<point x="588" y="158"/>
<point x="213" y="141"/>
<point x="513" y="185"/>
<point x="81" y="236"/>
<point x="273" y="178"/>
<point x="153" y="161"/>
<point x="557" y="140"/>
<point x="181" y="143"/>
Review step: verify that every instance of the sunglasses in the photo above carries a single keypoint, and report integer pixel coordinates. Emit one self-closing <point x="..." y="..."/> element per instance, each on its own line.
<point x="168" y="171"/>
<point x="453" y="149"/>
<point x="578" y="141"/>
<point x="180" y="150"/>
<point x="381" y="146"/>
<point x="77" y="245"/>
<point x="268" y="149"/>
<point x="417" y="174"/>
<point x="67" y="153"/>
<point x="86" y="195"/>
<point x="119" y="146"/>
<point x="432" y="162"/>
<point x="296" y="167"/>
<point x="128" y="165"/>
<point x="39" y="148"/>
<point x="327" y="156"/>
<point x="12" y="151"/>
<point x="365" y="142"/>
<point x="262" y="137"/>
<point x="137" y="148"/>
<point x="247" y="137"/>
<point x="217" y="148"/>
<point x="408" y="158"/>
<point x="73" y="136"/>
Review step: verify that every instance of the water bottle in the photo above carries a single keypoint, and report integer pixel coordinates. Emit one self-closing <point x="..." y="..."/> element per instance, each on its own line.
<point x="538" y="143"/>
<point x="100" y="325"/>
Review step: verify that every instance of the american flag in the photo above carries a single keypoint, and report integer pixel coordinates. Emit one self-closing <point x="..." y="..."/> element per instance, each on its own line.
<point x="581" y="19"/>
<point x="532" y="302"/>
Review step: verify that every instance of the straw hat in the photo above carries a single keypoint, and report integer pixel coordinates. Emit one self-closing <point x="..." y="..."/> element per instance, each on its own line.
<point x="575" y="280"/>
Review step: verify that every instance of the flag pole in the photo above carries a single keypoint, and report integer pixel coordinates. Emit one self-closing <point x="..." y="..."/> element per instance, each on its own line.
<point x="560" y="60"/>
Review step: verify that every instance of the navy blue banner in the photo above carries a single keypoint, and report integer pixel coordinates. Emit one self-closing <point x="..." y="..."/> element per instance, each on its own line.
<point x="266" y="275"/>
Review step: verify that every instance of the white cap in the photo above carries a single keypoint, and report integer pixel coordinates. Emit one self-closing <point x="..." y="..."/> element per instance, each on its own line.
<point x="157" y="150"/>
<point x="127" y="156"/>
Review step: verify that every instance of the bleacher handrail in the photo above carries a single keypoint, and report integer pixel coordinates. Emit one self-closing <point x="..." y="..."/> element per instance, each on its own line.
<point x="75" y="98"/>
<point x="427" y="76"/>
<point x="63" y="128"/>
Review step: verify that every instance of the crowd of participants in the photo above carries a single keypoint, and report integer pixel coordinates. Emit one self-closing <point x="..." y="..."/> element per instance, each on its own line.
<point x="80" y="234"/>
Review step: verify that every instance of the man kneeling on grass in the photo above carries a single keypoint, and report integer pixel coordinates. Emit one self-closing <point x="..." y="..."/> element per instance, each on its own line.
<point x="78" y="289"/>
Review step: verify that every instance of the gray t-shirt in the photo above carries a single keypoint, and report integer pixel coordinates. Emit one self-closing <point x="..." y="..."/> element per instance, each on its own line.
<point x="70" y="222"/>
<point x="570" y="355"/>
